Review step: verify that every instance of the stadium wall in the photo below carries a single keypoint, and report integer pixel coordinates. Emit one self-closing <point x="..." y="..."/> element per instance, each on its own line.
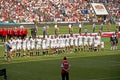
<point x="41" y="24"/>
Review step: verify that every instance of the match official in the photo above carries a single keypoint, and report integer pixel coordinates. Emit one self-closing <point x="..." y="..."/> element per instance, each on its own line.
<point x="65" y="65"/>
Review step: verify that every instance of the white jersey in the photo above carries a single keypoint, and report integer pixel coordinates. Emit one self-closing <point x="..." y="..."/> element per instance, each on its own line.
<point x="44" y="44"/>
<point x="55" y="42"/>
<point x="51" y="43"/>
<point x="62" y="42"/>
<point x="91" y="40"/>
<point x="80" y="25"/>
<point x="71" y="41"/>
<point x="95" y="41"/>
<point x="99" y="40"/>
<point x="14" y="44"/>
<point x="58" y="42"/>
<point x="28" y="44"/>
<point x="76" y="41"/>
<point x="32" y="43"/>
<point x="102" y="44"/>
<point x="19" y="44"/>
<point x="24" y="44"/>
<point x="38" y="43"/>
<point x="80" y="40"/>
<point x="85" y="40"/>
<point x="48" y="42"/>
<point x="67" y="42"/>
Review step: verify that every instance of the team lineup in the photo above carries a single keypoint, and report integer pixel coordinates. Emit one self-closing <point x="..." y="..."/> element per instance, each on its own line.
<point x="23" y="45"/>
<point x="61" y="44"/>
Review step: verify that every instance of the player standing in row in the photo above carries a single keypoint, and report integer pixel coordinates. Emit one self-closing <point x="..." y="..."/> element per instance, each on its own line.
<point x="19" y="46"/>
<point x="38" y="46"/>
<point x="24" y="46"/>
<point x="28" y="44"/>
<point x="91" y="42"/>
<point x="80" y="42"/>
<point x="85" y="38"/>
<point x="97" y="42"/>
<point x="32" y="40"/>
<point x="76" y="42"/>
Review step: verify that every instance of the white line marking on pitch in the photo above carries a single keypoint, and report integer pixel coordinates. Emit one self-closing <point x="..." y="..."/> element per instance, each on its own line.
<point x="116" y="77"/>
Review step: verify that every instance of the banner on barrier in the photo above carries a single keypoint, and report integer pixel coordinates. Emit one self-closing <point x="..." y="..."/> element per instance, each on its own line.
<point x="99" y="9"/>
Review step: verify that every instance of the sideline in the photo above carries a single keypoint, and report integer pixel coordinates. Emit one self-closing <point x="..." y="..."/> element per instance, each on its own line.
<point x="115" y="77"/>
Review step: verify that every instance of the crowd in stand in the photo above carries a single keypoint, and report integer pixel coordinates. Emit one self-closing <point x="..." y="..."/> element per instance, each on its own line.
<point x="52" y="10"/>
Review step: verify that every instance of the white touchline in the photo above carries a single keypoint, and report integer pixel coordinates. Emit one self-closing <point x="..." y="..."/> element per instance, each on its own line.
<point x="115" y="77"/>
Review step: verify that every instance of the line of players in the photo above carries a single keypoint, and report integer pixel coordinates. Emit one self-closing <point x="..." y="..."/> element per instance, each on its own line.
<point x="52" y="44"/>
<point x="9" y="33"/>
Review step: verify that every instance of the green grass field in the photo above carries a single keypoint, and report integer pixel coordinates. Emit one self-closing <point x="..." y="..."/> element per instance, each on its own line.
<point x="102" y="65"/>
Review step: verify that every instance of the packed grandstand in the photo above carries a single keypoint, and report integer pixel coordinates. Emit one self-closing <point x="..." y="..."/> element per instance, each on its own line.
<point x="17" y="11"/>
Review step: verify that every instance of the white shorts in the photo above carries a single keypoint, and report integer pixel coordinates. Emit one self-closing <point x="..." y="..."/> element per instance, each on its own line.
<point x="13" y="48"/>
<point x="32" y="47"/>
<point x="80" y="44"/>
<point x="24" y="48"/>
<point x="85" y="43"/>
<point x="28" y="47"/>
<point x="71" y="44"/>
<point x="90" y="43"/>
<point x="19" y="47"/>
<point x="76" y="44"/>
<point x="67" y="44"/>
<point x="95" y="45"/>
<point x="44" y="47"/>
<point x="98" y="43"/>
<point x="37" y="46"/>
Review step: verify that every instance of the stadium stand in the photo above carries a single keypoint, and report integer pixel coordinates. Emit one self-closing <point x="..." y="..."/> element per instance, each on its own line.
<point x="17" y="11"/>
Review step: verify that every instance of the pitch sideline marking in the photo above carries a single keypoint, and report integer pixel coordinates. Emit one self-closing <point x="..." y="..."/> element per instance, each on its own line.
<point x="116" y="77"/>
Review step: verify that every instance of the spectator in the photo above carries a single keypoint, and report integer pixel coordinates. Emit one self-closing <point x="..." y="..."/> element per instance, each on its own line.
<point x="93" y="27"/>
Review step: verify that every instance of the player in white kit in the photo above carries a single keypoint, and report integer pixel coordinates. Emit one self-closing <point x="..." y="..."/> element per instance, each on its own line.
<point x="91" y="42"/>
<point x="102" y="45"/>
<point x="99" y="41"/>
<point x="38" y="46"/>
<point x="71" y="44"/>
<point x="28" y="45"/>
<point x="67" y="44"/>
<point x="76" y="43"/>
<point x="80" y="42"/>
<point x="14" y="46"/>
<point x="44" y="46"/>
<point x="24" y="46"/>
<point x="95" y="43"/>
<point x="85" y="42"/>
<point x="32" y="41"/>
<point x="19" y="46"/>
